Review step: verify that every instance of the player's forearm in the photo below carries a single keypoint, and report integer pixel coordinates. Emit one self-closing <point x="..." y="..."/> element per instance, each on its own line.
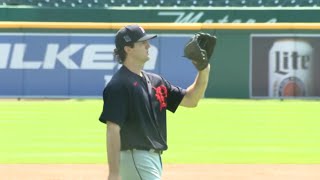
<point x="113" y="148"/>
<point x="196" y="91"/>
<point x="200" y="84"/>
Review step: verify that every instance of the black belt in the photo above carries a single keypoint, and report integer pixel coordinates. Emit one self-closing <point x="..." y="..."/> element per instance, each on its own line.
<point x="156" y="151"/>
<point x="149" y="150"/>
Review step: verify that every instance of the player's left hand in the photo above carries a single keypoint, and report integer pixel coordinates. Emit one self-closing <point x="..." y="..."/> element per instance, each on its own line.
<point x="199" y="49"/>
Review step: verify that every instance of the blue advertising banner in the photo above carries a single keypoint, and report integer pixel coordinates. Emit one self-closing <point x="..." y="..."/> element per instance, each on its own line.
<point x="79" y="64"/>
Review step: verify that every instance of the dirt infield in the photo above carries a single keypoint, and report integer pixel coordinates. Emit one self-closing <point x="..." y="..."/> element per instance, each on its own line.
<point x="171" y="172"/>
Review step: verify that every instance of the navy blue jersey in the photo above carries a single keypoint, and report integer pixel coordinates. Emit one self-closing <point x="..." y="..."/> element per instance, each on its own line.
<point x="138" y="105"/>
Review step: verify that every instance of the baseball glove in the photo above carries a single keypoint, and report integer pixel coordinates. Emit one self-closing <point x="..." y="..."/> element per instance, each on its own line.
<point x="199" y="49"/>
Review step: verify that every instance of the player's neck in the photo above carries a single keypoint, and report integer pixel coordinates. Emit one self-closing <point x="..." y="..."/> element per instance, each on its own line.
<point x="134" y="67"/>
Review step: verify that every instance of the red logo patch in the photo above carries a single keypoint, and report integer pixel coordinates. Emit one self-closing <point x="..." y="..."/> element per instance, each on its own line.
<point x="161" y="95"/>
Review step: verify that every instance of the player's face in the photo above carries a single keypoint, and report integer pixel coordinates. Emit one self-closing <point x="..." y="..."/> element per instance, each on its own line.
<point x="140" y="51"/>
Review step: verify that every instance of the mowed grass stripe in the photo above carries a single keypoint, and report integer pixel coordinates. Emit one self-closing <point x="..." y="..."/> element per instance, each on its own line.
<point x="247" y="131"/>
<point x="43" y="131"/>
<point x="217" y="131"/>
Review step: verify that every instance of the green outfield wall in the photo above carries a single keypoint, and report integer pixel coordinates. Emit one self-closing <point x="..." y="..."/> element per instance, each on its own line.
<point x="234" y="73"/>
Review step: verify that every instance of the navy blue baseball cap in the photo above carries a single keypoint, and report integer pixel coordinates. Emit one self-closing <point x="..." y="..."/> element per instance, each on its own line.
<point x="131" y="34"/>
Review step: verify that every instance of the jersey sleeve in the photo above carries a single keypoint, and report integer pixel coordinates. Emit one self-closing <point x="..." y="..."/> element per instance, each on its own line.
<point x="175" y="96"/>
<point x="115" y="104"/>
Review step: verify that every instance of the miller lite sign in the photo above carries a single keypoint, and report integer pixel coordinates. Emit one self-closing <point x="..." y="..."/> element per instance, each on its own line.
<point x="284" y="65"/>
<point x="290" y="68"/>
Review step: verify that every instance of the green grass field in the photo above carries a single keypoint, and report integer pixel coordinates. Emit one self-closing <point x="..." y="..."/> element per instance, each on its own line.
<point x="217" y="131"/>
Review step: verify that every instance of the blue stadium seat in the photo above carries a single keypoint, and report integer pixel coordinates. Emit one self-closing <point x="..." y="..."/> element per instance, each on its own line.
<point x="166" y="3"/>
<point x="289" y="3"/>
<point x="256" y="3"/>
<point x="272" y="3"/>
<point x="213" y="3"/>
<point x="309" y="3"/>
<point x="237" y="3"/>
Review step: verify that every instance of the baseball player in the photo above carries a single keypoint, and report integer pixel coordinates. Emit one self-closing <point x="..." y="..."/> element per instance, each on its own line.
<point x="135" y="104"/>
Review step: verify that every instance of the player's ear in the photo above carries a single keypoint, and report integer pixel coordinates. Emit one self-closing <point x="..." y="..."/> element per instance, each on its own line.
<point x="127" y="49"/>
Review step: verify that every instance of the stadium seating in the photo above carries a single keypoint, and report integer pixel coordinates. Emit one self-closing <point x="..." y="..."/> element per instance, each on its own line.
<point x="162" y="3"/>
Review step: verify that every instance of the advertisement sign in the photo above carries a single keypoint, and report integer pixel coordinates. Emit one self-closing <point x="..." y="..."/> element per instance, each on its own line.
<point x="78" y="64"/>
<point x="285" y="65"/>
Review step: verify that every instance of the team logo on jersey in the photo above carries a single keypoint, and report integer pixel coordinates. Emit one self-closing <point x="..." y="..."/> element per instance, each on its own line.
<point x="161" y="95"/>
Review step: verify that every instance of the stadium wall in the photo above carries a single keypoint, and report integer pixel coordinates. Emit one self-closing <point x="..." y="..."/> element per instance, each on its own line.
<point x="240" y="67"/>
<point x="177" y="15"/>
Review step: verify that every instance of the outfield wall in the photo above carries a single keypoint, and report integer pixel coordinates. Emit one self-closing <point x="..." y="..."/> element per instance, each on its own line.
<point x="53" y="61"/>
<point x="78" y="64"/>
